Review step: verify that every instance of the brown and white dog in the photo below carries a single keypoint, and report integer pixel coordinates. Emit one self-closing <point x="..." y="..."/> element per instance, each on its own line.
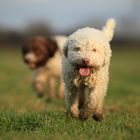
<point x="43" y="55"/>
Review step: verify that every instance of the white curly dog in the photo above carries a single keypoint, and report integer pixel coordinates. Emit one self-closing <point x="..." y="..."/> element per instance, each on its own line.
<point x="85" y="70"/>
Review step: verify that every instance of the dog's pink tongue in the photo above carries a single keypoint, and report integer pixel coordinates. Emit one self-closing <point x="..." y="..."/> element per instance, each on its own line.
<point x="32" y="66"/>
<point x="84" y="71"/>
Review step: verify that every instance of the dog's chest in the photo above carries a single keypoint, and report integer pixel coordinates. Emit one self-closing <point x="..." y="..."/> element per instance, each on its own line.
<point x="88" y="81"/>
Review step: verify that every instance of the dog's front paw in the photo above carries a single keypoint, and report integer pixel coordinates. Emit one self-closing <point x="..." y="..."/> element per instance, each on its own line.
<point x="74" y="112"/>
<point x="98" y="117"/>
<point x="83" y="115"/>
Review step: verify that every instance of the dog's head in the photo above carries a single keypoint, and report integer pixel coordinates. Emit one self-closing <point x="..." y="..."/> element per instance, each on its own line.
<point x="89" y="49"/>
<point x="38" y="50"/>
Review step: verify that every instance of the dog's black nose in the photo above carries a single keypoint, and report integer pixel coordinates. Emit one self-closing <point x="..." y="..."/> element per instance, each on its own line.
<point x="86" y="61"/>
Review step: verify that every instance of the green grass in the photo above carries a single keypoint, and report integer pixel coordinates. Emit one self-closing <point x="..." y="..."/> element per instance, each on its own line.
<point x="23" y="116"/>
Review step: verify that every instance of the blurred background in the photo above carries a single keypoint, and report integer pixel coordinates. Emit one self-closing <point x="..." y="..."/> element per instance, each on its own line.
<point x="22" y="19"/>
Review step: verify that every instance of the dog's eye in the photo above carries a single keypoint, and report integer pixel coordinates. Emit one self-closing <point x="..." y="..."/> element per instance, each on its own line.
<point x="77" y="49"/>
<point x="94" y="50"/>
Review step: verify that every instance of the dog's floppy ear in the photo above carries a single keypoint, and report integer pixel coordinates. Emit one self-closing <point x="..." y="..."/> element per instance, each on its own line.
<point x="52" y="46"/>
<point x="65" y="49"/>
<point x="108" y="29"/>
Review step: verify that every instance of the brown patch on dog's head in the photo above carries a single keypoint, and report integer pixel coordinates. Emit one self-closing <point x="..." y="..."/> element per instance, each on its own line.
<point x="38" y="50"/>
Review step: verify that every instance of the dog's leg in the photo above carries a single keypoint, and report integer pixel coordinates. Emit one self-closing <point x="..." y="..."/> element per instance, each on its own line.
<point x="51" y="88"/>
<point x="39" y="82"/>
<point x="72" y="103"/>
<point x="61" y="89"/>
<point x="89" y="106"/>
<point x="98" y="113"/>
<point x="39" y="87"/>
<point x="81" y="97"/>
<point x="93" y="106"/>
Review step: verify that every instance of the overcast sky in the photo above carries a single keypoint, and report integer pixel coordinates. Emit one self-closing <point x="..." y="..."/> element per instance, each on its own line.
<point x="61" y="14"/>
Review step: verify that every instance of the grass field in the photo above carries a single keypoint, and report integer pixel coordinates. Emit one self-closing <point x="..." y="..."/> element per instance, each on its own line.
<point x="23" y="116"/>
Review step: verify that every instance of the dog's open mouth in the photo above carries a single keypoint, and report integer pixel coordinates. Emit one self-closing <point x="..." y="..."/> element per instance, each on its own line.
<point x="84" y="71"/>
<point x="32" y="65"/>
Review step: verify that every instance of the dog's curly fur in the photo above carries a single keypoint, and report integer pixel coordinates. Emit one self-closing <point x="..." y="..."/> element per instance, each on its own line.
<point x="85" y="66"/>
<point x="43" y="55"/>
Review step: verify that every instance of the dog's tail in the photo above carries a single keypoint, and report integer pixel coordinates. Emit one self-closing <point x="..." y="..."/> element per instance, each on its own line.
<point x="108" y="29"/>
